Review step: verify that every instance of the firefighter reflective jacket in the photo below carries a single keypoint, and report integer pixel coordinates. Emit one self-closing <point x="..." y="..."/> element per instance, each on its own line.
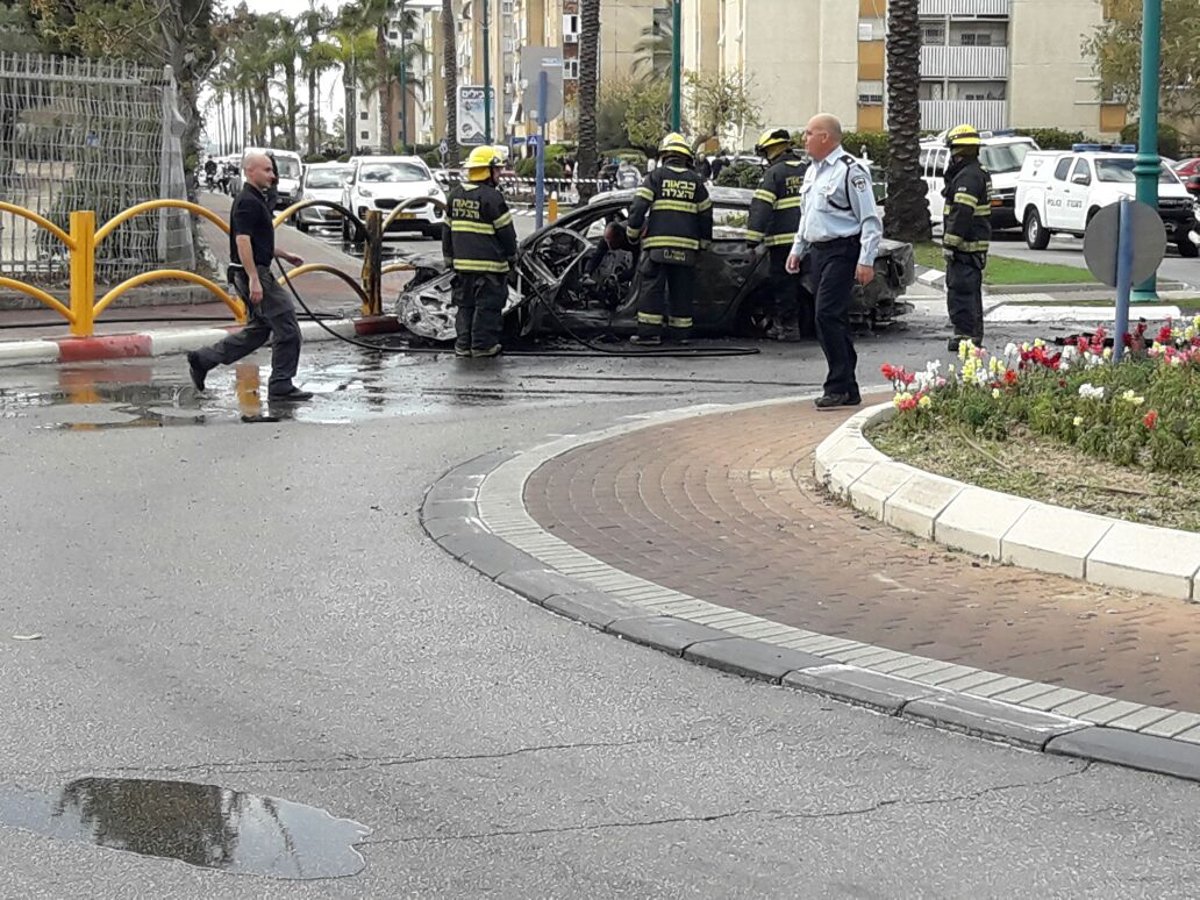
<point x="679" y="210"/>
<point x="775" y="209"/>
<point x="967" y="221"/>
<point x="479" y="235"/>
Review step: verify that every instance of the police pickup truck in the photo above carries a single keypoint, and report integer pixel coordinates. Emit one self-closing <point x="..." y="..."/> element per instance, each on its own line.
<point x="1058" y="192"/>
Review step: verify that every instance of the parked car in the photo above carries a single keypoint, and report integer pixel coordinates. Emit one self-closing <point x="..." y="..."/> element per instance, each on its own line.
<point x="384" y="182"/>
<point x="289" y="166"/>
<point x="1188" y="171"/>
<point x="552" y="291"/>
<point x="1058" y="193"/>
<point x="1002" y="154"/>
<point x="322" y="181"/>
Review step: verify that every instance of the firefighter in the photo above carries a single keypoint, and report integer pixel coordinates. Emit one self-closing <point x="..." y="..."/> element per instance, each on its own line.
<point x="479" y="242"/>
<point x="774" y="220"/>
<point x="671" y="218"/>
<point x="967" y="230"/>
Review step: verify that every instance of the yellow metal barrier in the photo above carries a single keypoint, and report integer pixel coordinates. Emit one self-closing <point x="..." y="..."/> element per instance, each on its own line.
<point x="236" y="306"/>
<point x="150" y="205"/>
<point x="329" y="270"/>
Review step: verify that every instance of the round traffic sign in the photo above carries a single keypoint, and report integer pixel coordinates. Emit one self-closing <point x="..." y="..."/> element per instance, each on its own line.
<point x="1102" y="237"/>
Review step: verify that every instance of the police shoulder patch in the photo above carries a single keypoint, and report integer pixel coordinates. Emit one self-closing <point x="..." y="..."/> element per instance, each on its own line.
<point x="859" y="182"/>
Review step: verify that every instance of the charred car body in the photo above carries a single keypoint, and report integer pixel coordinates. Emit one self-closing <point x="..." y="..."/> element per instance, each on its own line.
<point x="571" y="279"/>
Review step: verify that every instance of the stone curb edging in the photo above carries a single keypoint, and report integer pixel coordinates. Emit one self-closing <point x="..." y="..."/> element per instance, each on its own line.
<point x="1003" y="527"/>
<point x="476" y="513"/>
<point x="167" y="341"/>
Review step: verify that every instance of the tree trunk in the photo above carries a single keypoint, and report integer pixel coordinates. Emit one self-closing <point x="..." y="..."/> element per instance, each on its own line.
<point x="312" y="113"/>
<point x="450" y="62"/>
<point x="233" y="120"/>
<point x="350" y="116"/>
<point x="289" y="72"/>
<point x="589" y="41"/>
<point x="907" y="216"/>
<point x="387" y="108"/>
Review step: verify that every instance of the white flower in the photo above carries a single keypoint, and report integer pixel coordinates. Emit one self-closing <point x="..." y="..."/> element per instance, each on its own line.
<point x="1088" y="392"/>
<point x="1133" y="399"/>
<point x="1078" y="421"/>
<point x="1012" y="349"/>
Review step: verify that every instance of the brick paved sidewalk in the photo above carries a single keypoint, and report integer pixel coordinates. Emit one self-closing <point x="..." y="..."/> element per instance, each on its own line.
<point x="724" y="508"/>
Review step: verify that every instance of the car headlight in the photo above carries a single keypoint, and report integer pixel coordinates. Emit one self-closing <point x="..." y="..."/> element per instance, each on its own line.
<point x="363" y="192"/>
<point x="436" y="192"/>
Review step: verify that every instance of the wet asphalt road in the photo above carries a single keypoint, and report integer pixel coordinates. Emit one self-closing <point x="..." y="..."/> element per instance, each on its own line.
<point x="255" y="607"/>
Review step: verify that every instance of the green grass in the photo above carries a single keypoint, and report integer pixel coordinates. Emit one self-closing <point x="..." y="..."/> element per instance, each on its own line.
<point x="1002" y="270"/>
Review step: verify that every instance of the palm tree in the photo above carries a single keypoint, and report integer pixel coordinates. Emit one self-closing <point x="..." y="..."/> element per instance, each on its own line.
<point x="352" y="49"/>
<point x="907" y="210"/>
<point x="450" y="63"/>
<point x="654" y="51"/>
<point x="316" y="56"/>
<point x="286" y="46"/>
<point x="589" y="45"/>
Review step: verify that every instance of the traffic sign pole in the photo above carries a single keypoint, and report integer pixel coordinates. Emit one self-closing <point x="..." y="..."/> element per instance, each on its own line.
<point x="1149" y="166"/>
<point x="543" y="96"/>
<point x="1124" y="274"/>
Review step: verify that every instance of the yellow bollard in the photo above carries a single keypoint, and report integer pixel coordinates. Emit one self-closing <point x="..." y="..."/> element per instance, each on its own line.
<point x="83" y="272"/>
<point x="552" y="213"/>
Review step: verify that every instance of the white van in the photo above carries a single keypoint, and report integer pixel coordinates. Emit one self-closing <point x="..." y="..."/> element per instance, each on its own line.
<point x="1002" y="154"/>
<point x="290" y="167"/>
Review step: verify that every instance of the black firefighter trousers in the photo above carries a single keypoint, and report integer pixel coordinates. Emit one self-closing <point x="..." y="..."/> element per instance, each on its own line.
<point x="964" y="294"/>
<point x="480" y="298"/>
<point x="666" y="287"/>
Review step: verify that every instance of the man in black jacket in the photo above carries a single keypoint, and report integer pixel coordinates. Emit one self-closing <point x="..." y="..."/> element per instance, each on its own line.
<point x="774" y="219"/>
<point x="671" y="218"/>
<point x="967" y="232"/>
<point x="479" y="241"/>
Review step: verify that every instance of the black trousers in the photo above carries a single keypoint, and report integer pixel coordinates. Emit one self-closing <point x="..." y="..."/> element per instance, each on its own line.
<point x="667" y="297"/>
<point x="834" y="263"/>
<point x="964" y="294"/>
<point x="793" y="302"/>
<point x="274" y="319"/>
<point x="480" y="298"/>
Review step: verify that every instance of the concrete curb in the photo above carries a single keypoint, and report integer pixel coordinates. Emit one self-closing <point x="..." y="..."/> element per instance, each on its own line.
<point x="476" y="512"/>
<point x="1004" y="527"/>
<point x="166" y="342"/>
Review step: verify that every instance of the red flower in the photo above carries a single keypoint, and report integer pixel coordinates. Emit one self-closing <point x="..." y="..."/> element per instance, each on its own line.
<point x="1010" y="377"/>
<point x="907" y="377"/>
<point x="888" y="371"/>
<point x="1151" y="420"/>
<point x="1164" y="334"/>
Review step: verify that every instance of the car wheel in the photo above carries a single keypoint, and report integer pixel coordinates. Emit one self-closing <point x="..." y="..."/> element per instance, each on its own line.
<point x="1187" y="249"/>
<point x="1036" y="235"/>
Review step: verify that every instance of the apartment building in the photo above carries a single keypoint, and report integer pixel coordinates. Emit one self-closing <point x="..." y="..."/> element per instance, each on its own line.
<point x="987" y="62"/>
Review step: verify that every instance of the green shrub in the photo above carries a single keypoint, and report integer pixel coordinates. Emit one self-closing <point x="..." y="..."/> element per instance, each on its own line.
<point x="875" y="143"/>
<point x="1170" y="142"/>
<point x="740" y="175"/>
<point x="527" y="168"/>
<point x="1054" y="138"/>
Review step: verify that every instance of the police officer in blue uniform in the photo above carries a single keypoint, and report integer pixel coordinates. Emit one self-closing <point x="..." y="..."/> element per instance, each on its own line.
<point x="840" y="229"/>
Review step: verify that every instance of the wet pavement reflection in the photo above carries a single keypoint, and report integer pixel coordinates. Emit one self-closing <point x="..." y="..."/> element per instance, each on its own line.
<point x="200" y="824"/>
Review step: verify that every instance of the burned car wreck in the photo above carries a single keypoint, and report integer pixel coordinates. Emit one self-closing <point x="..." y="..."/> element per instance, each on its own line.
<point x="570" y="279"/>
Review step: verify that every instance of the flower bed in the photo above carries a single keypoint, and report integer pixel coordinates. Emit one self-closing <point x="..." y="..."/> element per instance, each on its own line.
<point x="1064" y="424"/>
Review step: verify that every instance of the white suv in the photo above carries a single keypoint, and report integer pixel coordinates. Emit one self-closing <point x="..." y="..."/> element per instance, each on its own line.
<point x="384" y="182"/>
<point x="1059" y="192"/>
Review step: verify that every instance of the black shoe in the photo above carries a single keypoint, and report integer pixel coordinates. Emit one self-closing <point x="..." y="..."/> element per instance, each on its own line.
<point x="833" y="401"/>
<point x="646" y="341"/>
<point x="295" y="395"/>
<point x="488" y="352"/>
<point x="196" y="370"/>
<point x="462" y="352"/>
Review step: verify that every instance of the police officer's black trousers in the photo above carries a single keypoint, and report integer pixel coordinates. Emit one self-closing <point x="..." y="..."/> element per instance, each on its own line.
<point x="834" y="263"/>
<point x="964" y="294"/>
<point x="274" y="318"/>
<point x="480" y="298"/>
<point x="793" y="302"/>
<point x="666" y="297"/>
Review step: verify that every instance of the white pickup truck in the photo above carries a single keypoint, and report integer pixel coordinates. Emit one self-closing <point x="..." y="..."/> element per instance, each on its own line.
<point x="1058" y="192"/>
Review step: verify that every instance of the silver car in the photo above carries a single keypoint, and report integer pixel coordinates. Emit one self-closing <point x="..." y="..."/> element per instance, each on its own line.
<point x="322" y="181"/>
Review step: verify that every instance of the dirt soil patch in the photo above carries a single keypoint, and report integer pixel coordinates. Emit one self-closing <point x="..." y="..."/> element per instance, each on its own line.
<point x="1032" y="466"/>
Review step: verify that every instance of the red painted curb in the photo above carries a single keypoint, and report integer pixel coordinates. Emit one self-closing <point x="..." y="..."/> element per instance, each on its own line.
<point x="377" y="325"/>
<point x="110" y="346"/>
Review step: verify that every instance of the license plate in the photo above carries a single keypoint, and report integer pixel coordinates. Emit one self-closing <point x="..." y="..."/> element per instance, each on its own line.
<point x="407" y="216"/>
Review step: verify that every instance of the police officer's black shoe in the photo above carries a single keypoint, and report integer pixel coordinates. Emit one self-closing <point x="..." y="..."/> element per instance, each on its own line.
<point x="195" y="370"/>
<point x="833" y="401"/>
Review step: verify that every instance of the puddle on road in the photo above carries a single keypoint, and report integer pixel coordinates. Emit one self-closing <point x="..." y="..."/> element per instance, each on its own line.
<point x="199" y="824"/>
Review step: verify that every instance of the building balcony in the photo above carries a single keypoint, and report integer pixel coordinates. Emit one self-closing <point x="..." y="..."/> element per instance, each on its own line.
<point x="986" y="115"/>
<point x="966" y="8"/>
<point x="942" y="61"/>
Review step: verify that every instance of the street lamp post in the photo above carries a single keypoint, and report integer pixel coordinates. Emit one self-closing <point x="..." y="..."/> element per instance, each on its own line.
<point x="676" y="65"/>
<point x="1149" y="165"/>
<point x="487" y="71"/>
<point x="403" y="81"/>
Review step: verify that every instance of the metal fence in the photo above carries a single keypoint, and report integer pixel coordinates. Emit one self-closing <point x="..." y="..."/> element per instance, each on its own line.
<point x="102" y="135"/>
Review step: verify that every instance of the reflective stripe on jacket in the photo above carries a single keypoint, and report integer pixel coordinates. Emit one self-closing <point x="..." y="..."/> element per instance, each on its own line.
<point x="671" y="209"/>
<point x="775" y="209"/>
<point x="479" y="235"/>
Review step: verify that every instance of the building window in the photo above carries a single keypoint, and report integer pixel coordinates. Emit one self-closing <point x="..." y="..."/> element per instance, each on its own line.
<point x="364" y="135"/>
<point x="870" y="93"/>
<point x="933" y="34"/>
<point x="364" y="115"/>
<point x="975" y="39"/>
<point x="570" y="69"/>
<point x="872" y="30"/>
<point x="571" y="29"/>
